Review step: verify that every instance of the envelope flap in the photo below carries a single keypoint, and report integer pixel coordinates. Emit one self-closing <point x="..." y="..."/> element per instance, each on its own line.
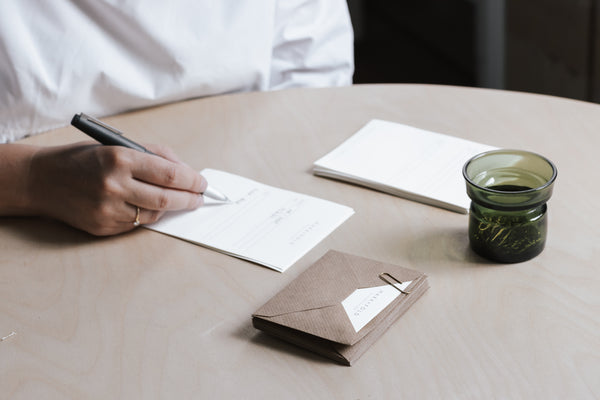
<point x="312" y="303"/>
<point x="325" y="283"/>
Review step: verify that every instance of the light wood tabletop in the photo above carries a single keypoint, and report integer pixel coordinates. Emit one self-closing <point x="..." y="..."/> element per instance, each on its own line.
<point x="147" y="316"/>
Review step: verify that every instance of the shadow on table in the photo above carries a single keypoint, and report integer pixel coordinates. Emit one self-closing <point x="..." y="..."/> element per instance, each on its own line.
<point x="45" y="231"/>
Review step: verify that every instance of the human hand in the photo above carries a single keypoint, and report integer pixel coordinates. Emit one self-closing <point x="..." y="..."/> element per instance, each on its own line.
<point x="98" y="188"/>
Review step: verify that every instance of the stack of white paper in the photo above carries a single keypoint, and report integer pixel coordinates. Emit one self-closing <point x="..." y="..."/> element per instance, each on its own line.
<point x="404" y="161"/>
<point x="263" y="224"/>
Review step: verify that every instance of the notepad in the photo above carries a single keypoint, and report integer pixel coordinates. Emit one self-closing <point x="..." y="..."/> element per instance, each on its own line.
<point x="404" y="161"/>
<point x="263" y="224"/>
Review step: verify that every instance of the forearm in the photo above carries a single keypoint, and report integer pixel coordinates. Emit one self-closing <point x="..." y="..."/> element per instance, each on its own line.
<point x="15" y="163"/>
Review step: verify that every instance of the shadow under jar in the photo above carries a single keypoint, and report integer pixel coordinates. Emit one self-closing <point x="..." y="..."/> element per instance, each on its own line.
<point x="509" y="189"/>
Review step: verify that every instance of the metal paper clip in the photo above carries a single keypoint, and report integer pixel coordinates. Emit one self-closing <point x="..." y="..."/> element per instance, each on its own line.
<point x="383" y="276"/>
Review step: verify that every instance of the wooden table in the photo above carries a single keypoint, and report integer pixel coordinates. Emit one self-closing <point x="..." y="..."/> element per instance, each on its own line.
<point x="143" y="315"/>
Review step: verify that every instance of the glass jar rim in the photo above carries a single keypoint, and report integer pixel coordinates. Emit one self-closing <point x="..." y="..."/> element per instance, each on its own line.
<point x="548" y="182"/>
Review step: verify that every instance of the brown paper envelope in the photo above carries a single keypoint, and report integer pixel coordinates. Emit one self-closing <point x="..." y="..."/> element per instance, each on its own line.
<point x="312" y="303"/>
<point x="342" y="353"/>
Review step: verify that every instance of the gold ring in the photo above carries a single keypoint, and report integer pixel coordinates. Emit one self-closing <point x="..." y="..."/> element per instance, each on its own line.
<point x="137" y="217"/>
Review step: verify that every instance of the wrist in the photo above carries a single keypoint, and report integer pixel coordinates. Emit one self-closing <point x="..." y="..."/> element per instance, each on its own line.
<point x="15" y="177"/>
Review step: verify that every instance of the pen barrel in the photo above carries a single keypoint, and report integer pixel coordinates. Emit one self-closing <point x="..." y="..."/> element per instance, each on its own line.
<point x="104" y="135"/>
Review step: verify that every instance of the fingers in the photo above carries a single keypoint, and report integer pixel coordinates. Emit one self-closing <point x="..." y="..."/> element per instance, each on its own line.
<point x="164" y="152"/>
<point x="161" y="184"/>
<point x="142" y="216"/>
<point x="119" y="219"/>
<point x="165" y="173"/>
<point x="158" y="198"/>
<point x="115" y="227"/>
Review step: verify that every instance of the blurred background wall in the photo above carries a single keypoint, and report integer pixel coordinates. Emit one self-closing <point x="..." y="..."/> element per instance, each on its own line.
<point x="542" y="46"/>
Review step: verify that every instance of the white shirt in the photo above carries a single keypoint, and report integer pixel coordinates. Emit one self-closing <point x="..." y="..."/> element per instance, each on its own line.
<point x="102" y="57"/>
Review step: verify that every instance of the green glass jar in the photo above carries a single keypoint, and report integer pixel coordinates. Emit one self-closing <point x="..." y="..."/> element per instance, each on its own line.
<point x="509" y="189"/>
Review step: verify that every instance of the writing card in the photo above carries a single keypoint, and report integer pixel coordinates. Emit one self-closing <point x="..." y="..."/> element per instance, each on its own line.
<point x="263" y="224"/>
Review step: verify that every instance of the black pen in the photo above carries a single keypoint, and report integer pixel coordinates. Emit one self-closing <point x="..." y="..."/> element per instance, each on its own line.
<point x="110" y="136"/>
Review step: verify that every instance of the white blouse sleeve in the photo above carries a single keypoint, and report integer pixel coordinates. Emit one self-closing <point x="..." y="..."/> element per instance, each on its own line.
<point x="313" y="44"/>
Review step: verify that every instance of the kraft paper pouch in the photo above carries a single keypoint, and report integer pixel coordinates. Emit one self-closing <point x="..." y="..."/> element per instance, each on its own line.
<point x="309" y="311"/>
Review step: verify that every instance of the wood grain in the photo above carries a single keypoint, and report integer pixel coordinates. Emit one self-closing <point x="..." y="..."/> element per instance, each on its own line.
<point x="146" y="316"/>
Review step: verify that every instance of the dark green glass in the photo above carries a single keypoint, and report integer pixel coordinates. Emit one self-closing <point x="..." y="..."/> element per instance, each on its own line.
<point x="509" y="189"/>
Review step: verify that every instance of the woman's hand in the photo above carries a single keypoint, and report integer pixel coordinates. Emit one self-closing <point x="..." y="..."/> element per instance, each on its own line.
<point x="99" y="188"/>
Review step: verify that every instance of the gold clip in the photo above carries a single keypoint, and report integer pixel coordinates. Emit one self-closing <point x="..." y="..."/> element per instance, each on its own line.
<point x="383" y="275"/>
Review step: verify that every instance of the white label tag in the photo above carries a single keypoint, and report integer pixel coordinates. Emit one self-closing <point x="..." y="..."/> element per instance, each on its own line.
<point x="364" y="304"/>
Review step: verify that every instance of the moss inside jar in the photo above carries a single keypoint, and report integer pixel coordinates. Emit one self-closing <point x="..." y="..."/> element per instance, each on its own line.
<point x="509" y="189"/>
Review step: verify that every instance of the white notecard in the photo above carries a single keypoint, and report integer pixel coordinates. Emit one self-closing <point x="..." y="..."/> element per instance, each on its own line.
<point x="404" y="161"/>
<point x="364" y="304"/>
<point x="263" y="224"/>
